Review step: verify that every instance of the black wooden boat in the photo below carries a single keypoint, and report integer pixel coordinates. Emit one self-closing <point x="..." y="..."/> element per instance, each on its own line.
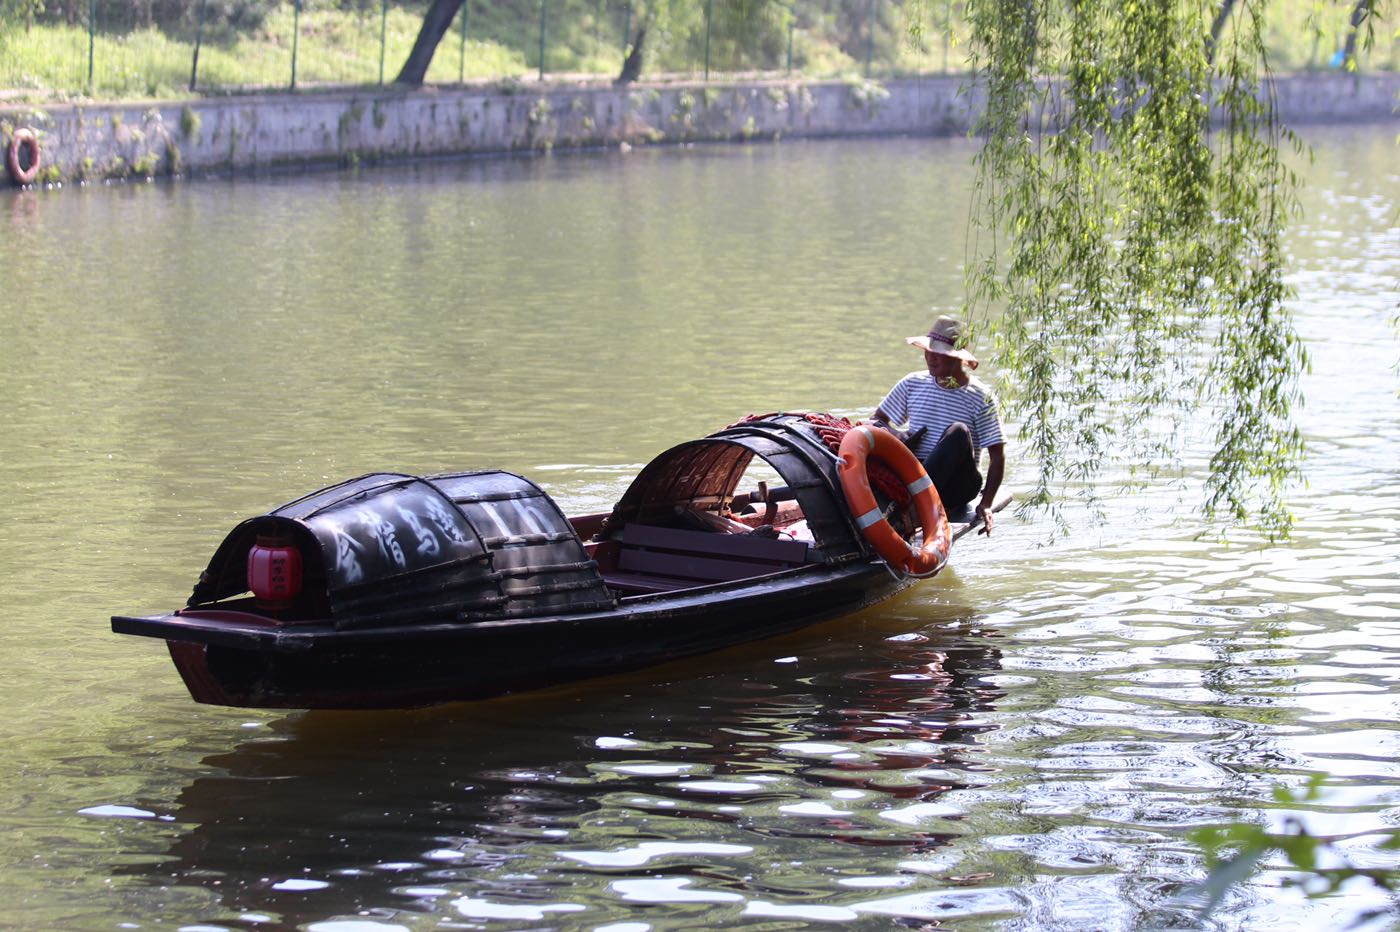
<point x="393" y="590"/>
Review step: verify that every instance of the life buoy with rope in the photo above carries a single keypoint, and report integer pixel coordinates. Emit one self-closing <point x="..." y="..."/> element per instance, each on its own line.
<point x="22" y="157"/>
<point x="859" y="445"/>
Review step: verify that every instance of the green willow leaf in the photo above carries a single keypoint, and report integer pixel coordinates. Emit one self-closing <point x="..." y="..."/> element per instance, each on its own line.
<point x="1132" y="198"/>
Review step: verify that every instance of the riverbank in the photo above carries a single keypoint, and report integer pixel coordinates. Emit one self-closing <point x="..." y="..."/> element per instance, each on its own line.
<point x="239" y="135"/>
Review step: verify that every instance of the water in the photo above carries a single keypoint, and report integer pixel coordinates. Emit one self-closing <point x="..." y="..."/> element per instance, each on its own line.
<point x="1022" y="743"/>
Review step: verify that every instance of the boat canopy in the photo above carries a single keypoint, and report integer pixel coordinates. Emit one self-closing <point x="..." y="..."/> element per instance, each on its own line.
<point x="388" y="548"/>
<point x="704" y="475"/>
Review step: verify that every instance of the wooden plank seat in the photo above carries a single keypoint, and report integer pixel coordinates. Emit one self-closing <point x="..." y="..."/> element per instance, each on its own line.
<point x="658" y="559"/>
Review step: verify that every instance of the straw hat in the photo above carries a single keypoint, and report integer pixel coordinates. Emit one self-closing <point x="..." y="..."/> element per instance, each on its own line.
<point x="945" y="338"/>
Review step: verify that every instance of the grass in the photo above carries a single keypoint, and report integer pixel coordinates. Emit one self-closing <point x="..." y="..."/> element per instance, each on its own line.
<point x="335" y="47"/>
<point x="332" y="47"/>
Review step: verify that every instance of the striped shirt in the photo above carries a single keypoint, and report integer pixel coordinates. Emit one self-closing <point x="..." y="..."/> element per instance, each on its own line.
<point x="922" y="402"/>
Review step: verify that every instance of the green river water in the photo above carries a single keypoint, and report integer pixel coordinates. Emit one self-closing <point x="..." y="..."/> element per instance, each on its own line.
<point x="1022" y="743"/>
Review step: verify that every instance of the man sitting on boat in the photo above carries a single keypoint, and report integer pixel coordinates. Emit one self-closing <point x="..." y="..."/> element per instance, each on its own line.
<point x="952" y="416"/>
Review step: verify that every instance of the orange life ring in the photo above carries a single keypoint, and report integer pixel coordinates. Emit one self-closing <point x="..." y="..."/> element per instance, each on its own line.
<point x="24" y="141"/>
<point x="863" y="442"/>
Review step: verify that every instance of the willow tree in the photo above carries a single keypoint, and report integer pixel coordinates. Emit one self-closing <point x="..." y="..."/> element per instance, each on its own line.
<point x="1126" y="239"/>
<point x="1132" y="197"/>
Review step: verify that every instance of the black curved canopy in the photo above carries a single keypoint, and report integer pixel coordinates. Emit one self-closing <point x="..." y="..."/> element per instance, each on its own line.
<point x="702" y="474"/>
<point x="386" y="547"/>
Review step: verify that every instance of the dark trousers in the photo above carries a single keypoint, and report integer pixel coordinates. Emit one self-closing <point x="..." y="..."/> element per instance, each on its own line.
<point x="953" y="467"/>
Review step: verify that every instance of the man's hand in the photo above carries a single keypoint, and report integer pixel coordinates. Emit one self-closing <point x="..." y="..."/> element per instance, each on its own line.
<point x="996" y="468"/>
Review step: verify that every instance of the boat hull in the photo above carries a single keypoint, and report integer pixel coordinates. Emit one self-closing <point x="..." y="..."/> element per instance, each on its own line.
<point x="234" y="658"/>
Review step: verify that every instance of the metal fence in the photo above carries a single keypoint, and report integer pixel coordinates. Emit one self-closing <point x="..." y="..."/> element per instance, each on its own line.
<point x="109" y="49"/>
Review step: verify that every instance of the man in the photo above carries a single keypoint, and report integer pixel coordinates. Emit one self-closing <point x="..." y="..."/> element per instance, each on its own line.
<point x="952" y="416"/>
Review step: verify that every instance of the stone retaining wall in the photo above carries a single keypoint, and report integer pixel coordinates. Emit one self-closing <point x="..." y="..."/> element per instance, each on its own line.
<point x="253" y="134"/>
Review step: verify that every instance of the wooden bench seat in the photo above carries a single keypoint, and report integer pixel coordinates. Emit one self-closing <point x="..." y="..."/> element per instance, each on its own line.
<point x="657" y="559"/>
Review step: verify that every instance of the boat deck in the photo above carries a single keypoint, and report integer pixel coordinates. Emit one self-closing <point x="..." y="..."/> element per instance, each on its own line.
<point x="647" y="559"/>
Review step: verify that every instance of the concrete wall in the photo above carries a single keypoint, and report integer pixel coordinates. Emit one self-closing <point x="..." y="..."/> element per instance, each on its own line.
<point x="252" y="134"/>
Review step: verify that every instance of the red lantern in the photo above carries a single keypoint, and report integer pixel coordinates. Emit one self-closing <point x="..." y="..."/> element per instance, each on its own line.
<point x="274" y="570"/>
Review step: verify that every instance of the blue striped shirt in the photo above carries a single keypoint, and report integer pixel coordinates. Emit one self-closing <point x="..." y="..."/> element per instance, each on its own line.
<point x="922" y="402"/>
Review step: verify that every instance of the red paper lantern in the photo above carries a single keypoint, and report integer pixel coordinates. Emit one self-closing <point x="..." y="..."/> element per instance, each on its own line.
<point x="274" y="569"/>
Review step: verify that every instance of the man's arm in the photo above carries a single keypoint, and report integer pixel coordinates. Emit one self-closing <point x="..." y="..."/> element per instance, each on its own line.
<point x="996" y="469"/>
<point x="893" y="408"/>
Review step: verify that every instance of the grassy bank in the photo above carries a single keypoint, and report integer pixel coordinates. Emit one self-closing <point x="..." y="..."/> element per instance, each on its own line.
<point x="335" y="47"/>
<point x="45" y="63"/>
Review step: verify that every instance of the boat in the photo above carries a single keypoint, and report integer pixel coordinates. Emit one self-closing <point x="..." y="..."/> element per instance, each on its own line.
<point x="393" y="590"/>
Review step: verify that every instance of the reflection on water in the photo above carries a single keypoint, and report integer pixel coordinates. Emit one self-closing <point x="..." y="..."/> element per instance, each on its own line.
<point x="1022" y="743"/>
<point x="756" y="802"/>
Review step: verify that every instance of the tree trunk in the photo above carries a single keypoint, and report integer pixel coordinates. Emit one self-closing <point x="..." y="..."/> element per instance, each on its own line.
<point x="1359" y="14"/>
<point x="632" y="67"/>
<point x="1217" y="27"/>
<point x="436" y="22"/>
